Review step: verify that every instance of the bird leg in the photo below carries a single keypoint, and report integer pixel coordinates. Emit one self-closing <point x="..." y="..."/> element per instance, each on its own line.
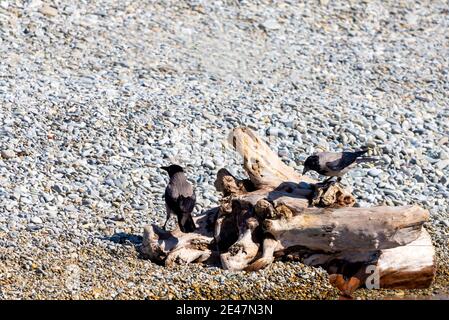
<point x="327" y="180"/>
<point x="169" y="213"/>
<point x="166" y="221"/>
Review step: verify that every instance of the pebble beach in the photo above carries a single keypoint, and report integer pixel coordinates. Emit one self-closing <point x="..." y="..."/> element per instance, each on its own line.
<point x="95" y="96"/>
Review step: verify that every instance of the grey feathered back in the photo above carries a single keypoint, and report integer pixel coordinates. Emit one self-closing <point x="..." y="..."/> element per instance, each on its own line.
<point x="179" y="185"/>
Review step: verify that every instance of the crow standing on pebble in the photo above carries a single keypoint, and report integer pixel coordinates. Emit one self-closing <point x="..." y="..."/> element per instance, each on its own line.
<point x="335" y="164"/>
<point x="179" y="198"/>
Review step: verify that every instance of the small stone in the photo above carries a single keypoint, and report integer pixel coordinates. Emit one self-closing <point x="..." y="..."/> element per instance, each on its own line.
<point x="419" y="179"/>
<point x="48" y="197"/>
<point x="444" y="155"/>
<point x="374" y="172"/>
<point x="380" y="135"/>
<point x="209" y="164"/>
<point x="442" y="164"/>
<point x="406" y="125"/>
<point x="391" y="192"/>
<point x="8" y="154"/>
<point x="443" y="141"/>
<point x="273" y="131"/>
<point x="57" y="188"/>
<point x="36" y="220"/>
<point x="33" y="227"/>
<point x="422" y="98"/>
<point x="396" y="129"/>
<point x="48" y="10"/>
<point x="283" y="153"/>
<point x="270" y="24"/>
<point x="52" y="214"/>
<point x="379" y="120"/>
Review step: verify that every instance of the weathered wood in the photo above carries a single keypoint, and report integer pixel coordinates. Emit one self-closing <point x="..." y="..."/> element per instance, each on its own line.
<point x="263" y="166"/>
<point x="269" y="247"/>
<point x="411" y="266"/>
<point x="331" y="195"/>
<point x="408" y="267"/>
<point x="176" y="247"/>
<point x="267" y="171"/>
<point x="348" y="229"/>
<point x="244" y="250"/>
<point x="228" y="184"/>
<point x="279" y="214"/>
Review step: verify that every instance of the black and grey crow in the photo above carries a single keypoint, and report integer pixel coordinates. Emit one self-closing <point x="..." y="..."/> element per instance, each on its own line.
<point x="179" y="198"/>
<point x="335" y="164"/>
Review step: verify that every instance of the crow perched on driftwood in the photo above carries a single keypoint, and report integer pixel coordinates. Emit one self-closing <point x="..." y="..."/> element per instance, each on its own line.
<point x="179" y="198"/>
<point x="335" y="164"/>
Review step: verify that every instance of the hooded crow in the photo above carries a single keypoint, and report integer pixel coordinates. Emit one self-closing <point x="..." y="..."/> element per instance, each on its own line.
<point x="179" y="198"/>
<point x="335" y="164"/>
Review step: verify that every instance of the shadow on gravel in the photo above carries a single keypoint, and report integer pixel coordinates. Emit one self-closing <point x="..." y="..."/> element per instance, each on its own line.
<point x="126" y="239"/>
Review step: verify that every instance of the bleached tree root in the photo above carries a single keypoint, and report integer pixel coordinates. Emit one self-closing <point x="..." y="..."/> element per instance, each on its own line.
<point x="411" y="266"/>
<point x="278" y="214"/>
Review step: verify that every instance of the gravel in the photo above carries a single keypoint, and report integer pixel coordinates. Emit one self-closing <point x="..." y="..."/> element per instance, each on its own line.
<point x="96" y="96"/>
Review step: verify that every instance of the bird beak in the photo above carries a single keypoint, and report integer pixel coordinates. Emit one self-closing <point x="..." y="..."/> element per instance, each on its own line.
<point x="304" y="171"/>
<point x="164" y="168"/>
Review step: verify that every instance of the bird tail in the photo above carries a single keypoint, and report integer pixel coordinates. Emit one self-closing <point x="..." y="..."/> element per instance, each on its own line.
<point x="186" y="223"/>
<point x="185" y="220"/>
<point x="367" y="159"/>
<point x="362" y="151"/>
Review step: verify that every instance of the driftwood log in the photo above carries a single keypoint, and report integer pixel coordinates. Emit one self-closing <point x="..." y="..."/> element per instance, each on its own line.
<point x="278" y="214"/>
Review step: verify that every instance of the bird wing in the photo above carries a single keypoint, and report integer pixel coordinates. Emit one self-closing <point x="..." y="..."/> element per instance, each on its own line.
<point x="325" y="157"/>
<point x="171" y="197"/>
<point x="178" y="198"/>
<point x="186" y="204"/>
<point x="343" y="160"/>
